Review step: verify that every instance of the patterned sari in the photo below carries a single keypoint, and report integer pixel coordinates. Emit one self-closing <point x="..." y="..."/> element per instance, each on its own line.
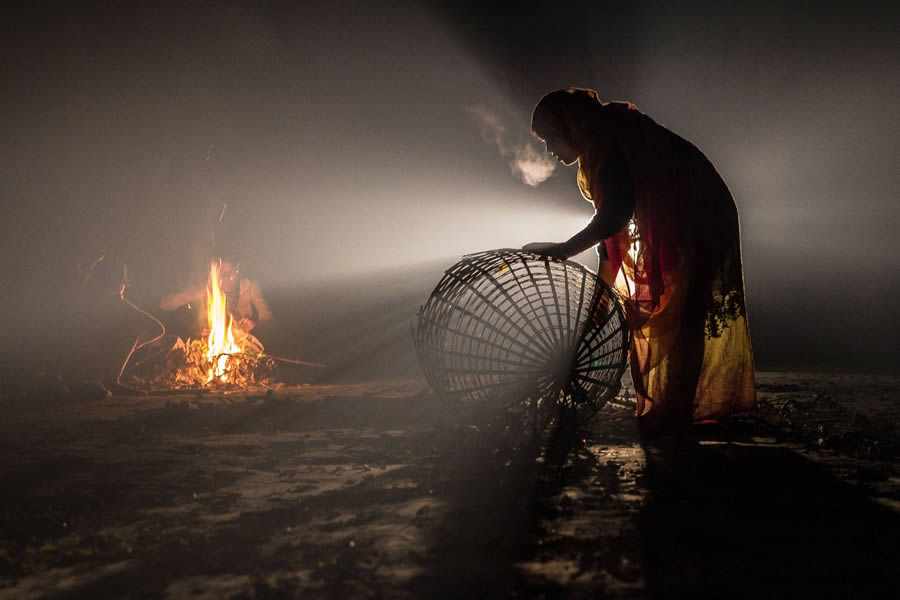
<point x="677" y="265"/>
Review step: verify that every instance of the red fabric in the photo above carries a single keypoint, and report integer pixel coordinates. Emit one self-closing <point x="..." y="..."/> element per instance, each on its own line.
<point x="684" y="295"/>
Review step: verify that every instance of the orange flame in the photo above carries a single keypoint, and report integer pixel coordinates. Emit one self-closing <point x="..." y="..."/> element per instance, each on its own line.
<point x="221" y="344"/>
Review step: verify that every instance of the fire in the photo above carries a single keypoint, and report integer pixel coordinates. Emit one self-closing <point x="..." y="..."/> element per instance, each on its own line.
<point x="624" y="282"/>
<point x="222" y="349"/>
<point x="224" y="358"/>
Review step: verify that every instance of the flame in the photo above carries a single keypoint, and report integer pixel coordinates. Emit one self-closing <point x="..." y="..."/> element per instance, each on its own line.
<point x="220" y="344"/>
<point x="624" y="282"/>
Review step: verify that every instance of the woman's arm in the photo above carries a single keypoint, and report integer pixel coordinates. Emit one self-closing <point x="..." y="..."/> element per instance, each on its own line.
<point x="605" y="223"/>
<point x="612" y="184"/>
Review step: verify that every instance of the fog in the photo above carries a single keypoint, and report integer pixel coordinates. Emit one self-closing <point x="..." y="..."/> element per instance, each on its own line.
<point x="340" y="142"/>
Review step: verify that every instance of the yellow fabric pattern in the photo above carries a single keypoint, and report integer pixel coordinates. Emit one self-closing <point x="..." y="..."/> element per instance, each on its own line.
<point x="691" y="355"/>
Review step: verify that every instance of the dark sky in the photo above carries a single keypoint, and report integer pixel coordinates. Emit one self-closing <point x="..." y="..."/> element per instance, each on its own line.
<point x="339" y="135"/>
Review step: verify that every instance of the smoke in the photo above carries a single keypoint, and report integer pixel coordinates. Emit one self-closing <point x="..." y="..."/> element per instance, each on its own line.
<point x="529" y="165"/>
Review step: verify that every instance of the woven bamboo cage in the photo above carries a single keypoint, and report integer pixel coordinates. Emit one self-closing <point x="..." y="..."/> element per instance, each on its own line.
<point x="507" y="324"/>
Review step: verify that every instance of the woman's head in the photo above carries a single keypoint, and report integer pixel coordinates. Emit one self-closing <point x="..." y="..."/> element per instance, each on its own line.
<point x="563" y="118"/>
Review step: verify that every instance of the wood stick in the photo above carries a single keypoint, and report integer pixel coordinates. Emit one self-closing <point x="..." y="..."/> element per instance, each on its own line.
<point x="122" y="287"/>
<point x="302" y="363"/>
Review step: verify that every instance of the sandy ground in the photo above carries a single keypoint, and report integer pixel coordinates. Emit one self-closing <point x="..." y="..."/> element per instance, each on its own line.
<point x="380" y="490"/>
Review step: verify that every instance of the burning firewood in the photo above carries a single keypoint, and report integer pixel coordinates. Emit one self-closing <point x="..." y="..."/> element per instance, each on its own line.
<point x="224" y="357"/>
<point x="189" y="365"/>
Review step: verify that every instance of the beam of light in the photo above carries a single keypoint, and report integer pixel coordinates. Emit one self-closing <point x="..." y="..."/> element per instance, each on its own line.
<point x="425" y="217"/>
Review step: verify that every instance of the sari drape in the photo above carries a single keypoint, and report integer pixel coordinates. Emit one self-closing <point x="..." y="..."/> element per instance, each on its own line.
<point x="677" y="265"/>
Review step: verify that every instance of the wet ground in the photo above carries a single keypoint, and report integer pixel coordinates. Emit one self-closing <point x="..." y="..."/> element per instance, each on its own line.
<point x="380" y="490"/>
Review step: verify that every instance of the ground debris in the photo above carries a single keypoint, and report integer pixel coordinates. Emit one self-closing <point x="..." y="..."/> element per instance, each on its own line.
<point x="348" y="491"/>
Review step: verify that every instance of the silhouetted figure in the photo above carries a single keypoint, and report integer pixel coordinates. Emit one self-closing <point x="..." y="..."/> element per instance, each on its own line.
<point x="669" y="242"/>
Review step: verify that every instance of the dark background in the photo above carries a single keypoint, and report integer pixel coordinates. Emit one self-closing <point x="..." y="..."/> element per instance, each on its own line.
<point x="339" y="137"/>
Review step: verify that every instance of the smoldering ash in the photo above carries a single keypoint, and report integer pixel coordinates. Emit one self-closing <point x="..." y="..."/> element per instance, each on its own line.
<point x="526" y="162"/>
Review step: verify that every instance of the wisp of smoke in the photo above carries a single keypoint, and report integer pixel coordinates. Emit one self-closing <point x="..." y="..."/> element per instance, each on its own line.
<point x="532" y="167"/>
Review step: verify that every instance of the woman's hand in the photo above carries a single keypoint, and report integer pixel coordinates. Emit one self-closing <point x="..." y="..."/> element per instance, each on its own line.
<point x="547" y="249"/>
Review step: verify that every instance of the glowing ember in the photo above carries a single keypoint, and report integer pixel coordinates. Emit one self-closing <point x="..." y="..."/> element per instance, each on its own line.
<point x="221" y="351"/>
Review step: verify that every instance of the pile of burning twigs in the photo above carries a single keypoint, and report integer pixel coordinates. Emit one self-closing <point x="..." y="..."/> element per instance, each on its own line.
<point x="188" y="366"/>
<point x="224" y="358"/>
<point x="176" y="364"/>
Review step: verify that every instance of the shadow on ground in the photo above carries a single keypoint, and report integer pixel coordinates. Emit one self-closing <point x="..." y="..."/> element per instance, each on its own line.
<point x="728" y="520"/>
<point x="382" y="491"/>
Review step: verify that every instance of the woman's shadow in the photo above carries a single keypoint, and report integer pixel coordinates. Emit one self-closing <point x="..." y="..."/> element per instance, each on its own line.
<point x="725" y="518"/>
<point x="723" y="514"/>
